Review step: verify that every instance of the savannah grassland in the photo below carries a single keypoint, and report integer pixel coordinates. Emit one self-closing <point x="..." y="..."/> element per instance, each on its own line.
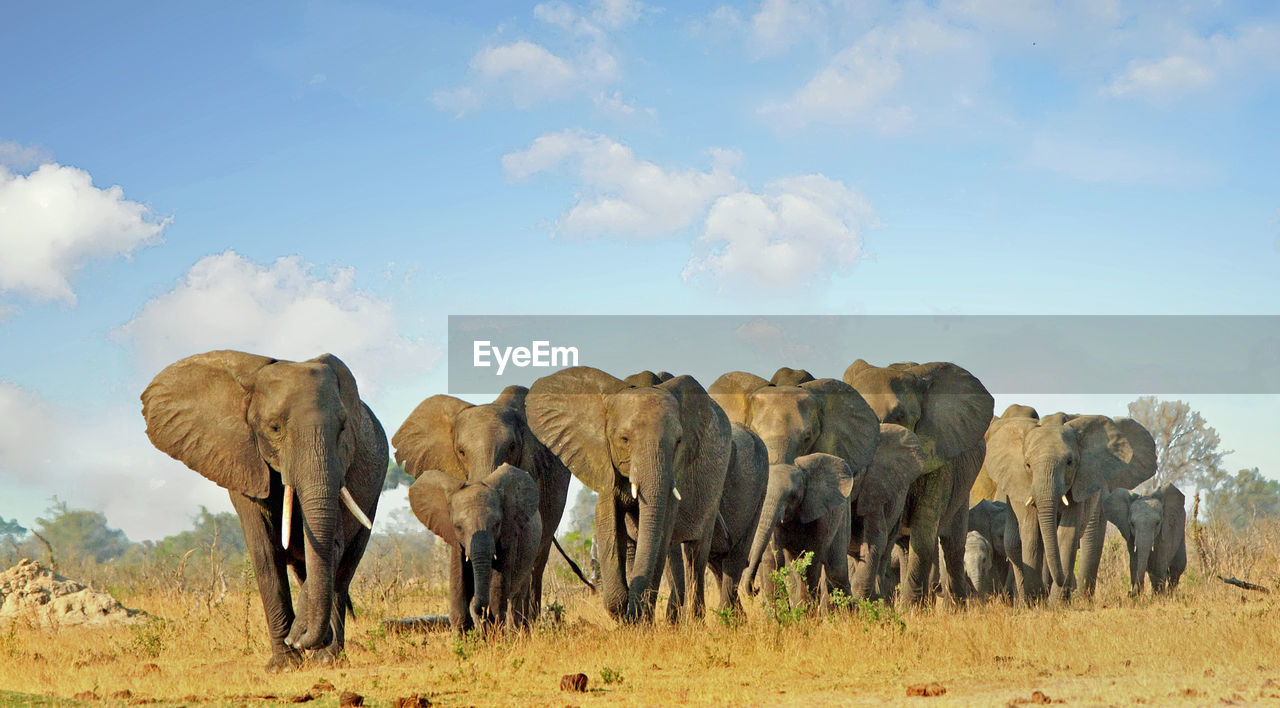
<point x="1208" y="644"/>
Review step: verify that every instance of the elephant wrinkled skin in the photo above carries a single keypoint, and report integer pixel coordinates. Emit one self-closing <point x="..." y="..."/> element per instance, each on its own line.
<point x="1154" y="529"/>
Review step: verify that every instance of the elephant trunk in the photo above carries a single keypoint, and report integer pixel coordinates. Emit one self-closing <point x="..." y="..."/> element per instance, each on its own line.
<point x="781" y="449"/>
<point x="480" y="551"/>
<point x="318" y="499"/>
<point x="1046" y="497"/>
<point x="652" y="476"/>
<point x="770" y="515"/>
<point x="1139" y="558"/>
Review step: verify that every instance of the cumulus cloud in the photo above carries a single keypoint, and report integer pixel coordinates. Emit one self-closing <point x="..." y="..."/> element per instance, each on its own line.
<point x="284" y="310"/>
<point x="622" y="195"/>
<point x="797" y="234"/>
<point x="527" y="73"/>
<point x="54" y="220"/>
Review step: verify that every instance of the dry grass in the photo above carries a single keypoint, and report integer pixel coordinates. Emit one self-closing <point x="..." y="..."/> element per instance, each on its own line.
<point x="1207" y="644"/>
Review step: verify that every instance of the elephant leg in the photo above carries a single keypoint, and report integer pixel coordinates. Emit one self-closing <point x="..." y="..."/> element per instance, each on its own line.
<point x="613" y="551"/>
<point x="871" y="549"/>
<point x="1095" y="534"/>
<point x="675" y="583"/>
<point x="1029" y="563"/>
<point x="553" y="490"/>
<point x="1071" y="527"/>
<point x="461" y="588"/>
<point x="696" y="556"/>
<point x="261" y="534"/>
<point x="345" y="570"/>
<point x="952" y="540"/>
<point x="923" y="542"/>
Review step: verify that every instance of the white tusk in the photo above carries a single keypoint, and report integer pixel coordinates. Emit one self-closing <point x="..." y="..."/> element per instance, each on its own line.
<point x="676" y="493"/>
<point x="355" y="508"/>
<point x="635" y="491"/>
<point x="1030" y="501"/>
<point x="286" y="528"/>
<point x="293" y="575"/>
<point x="1065" y="501"/>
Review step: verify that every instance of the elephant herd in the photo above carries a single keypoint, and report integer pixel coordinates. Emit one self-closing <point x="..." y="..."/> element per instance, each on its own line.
<point x="874" y="474"/>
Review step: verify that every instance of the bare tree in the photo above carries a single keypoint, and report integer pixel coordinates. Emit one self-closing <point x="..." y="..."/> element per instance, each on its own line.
<point x="1186" y="446"/>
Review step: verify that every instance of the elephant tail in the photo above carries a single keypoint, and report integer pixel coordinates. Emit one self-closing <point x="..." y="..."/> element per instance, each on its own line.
<point x="572" y="565"/>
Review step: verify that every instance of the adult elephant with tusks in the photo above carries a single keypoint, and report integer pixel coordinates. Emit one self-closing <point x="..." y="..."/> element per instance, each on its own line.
<point x="468" y="442"/>
<point x="303" y="459"/>
<point x="656" y="455"/>
<point x="1053" y="472"/>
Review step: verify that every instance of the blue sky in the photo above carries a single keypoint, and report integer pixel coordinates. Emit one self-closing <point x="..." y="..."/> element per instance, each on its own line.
<point x="292" y="178"/>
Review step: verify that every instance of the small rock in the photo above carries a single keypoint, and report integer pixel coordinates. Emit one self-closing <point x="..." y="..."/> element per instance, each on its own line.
<point x="927" y="690"/>
<point x="350" y="698"/>
<point x="576" y="683"/>
<point x="323" y="686"/>
<point x="1040" y="698"/>
<point x="414" y="701"/>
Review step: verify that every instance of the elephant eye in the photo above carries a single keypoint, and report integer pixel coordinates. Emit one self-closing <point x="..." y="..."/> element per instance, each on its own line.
<point x="274" y="427"/>
<point x="462" y="453"/>
<point x="624" y="439"/>
<point x="1070" y="461"/>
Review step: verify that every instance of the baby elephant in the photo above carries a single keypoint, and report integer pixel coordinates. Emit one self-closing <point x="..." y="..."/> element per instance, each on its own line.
<point x="1154" y="530"/>
<point x="977" y="563"/>
<point x="493" y="527"/>
<point x="806" y="508"/>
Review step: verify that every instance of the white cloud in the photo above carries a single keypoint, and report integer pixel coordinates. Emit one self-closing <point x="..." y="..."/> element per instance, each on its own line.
<point x="282" y="310"/>
<point x="1161" y="80"/>
<point x="798" y="234"/>
<point x="1199" y="63"/>
<point x="21" y="157"/>
<point x="53" y="220"/>
<point x="614" y="106"/>
<point x="621" y="195"/>
<point x="888" y="76"/>
<point x="528" y="73"/>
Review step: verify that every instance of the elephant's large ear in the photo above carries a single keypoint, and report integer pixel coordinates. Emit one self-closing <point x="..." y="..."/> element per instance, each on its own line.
<point x="350" y="396"/>
<point x="566" y="411"/>
<point x="196" y="413"/>
<point x="518" y="491"/>
<point x="850" y="429"/>
<point x="787" y="376"/>
<point x="898" y="461"/>
<point x="1005" y="462"/>
<point x="828" y="483"/>
<point x="512" y="397"/>
<point x="1173" y="515"/>
<point x="956" y="411"/>
<point x="1115" y="508"/>
<point x="706" y="428"/>
<point x="429" y="499"/>
<point x="425" y="439"/>
<point x="1110" y="452"/>
<point x="732" y="392"/>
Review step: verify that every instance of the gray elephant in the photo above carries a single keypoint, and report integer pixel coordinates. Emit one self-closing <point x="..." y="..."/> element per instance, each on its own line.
<point x="490" y="521"/>
<point x="469" y="442"/>
<point x="656" y="455"/>
<point x="745" y="485"/>
<point x="878" y="504"/>
<point x="977" y="563"/>
<point x="995" y="522"/>
<point x="806" y="509"/>
<point x="1052" y="472"/>
<point x="1154" y="529"/>
<point x="281" y="436"/>
<point x="948" y="409"/>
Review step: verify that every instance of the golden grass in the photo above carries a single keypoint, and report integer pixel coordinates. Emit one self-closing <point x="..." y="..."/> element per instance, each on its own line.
<point x="1207" y="644"/>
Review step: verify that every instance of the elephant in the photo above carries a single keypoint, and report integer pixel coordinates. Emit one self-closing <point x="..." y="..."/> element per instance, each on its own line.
<point x="469" y="442"/>
<point x="948" y="409"/>
<point x="1154" y="530"/>
<point x="487" y="521"/>
<point x="656" y="455"/>
<point x="1052" y="472"/>
<point x="270" y="432"/>
<point x="995" y="522"/>
<point x="745" y="485"/>
<point x="806" y="509"/>
<point x="878" y="503"/>
<point x="978" y="563"/>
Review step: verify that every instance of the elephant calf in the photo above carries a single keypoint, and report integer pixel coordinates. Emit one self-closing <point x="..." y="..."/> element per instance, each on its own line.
<point x="496" y="525"/>
<point x="995" y="522"/>
<point x="977" y="563"/>
<point x="806" y="509"/>
<point x="1154" y="530"/>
